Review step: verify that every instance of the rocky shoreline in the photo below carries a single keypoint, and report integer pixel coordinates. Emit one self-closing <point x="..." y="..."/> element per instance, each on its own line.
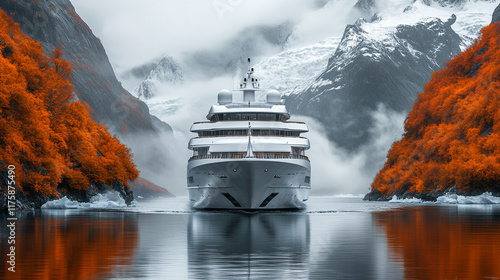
<point x="375" y="195"/>
<point x="30" y="202"/>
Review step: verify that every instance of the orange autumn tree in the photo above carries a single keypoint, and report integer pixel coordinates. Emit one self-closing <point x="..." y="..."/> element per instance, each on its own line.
<point x="49" y="136"/>
<point x="452" y="135"/>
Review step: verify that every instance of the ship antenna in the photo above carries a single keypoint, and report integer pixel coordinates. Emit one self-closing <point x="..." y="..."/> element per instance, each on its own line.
<point x="249" y="147"/>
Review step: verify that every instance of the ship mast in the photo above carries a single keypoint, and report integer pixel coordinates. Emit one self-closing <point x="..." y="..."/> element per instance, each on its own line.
<point x="249" y="85"/>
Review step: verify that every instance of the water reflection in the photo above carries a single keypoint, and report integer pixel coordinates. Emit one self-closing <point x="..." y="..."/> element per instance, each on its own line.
<point x="71" y="245"/>
<point x="440" y="242"/>
<point x="412" y="242"/>
<point x="253" y="246"/>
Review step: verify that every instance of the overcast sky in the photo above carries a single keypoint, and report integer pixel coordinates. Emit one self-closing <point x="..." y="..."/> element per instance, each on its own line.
<point x="135" y="32"/>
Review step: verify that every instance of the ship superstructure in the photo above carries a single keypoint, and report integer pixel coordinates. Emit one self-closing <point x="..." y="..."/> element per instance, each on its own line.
<point x="248" y="155"/>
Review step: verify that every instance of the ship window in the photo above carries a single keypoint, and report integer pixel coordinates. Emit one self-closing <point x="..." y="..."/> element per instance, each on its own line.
<point x="235" y="116"/>
<point x="200" y="151"/>
<point x="191" y="179"/>
<point x="297" y="151"/>
<point x="249" y="116"/>
<point x="307" y="180"/>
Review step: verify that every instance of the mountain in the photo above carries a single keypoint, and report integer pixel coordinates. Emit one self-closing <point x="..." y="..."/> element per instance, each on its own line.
<point x="166" y="73"/>
<point x="232" y="54"/>
<point x="49" y="144"/>
<point x="55" y="23"/>
<point x="452" y="135"/>
<point x="372" y="67"/>
<point x="496" y="15"/>
<point x="341" y="80"/>
<point x="146" y="189"/>
<point x="290" y="70"/>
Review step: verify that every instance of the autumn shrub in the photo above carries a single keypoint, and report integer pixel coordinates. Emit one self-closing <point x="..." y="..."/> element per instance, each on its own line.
<point x="452" y="134"/>
<point x="47" y="134"/>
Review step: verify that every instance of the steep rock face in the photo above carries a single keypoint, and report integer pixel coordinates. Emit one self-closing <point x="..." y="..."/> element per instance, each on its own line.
<point x="496" y="15"/>
<point x="55" y="22"/>
<point x="371" y="68"/>
<point x="167" y="72"/>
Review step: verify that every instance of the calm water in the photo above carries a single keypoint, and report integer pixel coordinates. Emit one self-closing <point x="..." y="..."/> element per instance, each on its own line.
<point x="335" y="238"/>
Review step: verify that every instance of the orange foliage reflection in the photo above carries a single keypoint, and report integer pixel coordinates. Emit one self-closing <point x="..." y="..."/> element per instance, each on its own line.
<point x="438" y="243"/>
<point x="57" y="247"/>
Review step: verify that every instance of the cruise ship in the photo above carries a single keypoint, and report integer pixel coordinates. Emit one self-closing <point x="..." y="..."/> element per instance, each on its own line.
<point x="248" y="155"/>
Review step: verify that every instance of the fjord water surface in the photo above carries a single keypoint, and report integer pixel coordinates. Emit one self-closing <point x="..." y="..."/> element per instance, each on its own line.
<point x="334" y="238"/>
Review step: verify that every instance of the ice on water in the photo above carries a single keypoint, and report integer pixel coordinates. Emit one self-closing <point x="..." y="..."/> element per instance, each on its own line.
<point x="111" y="199"/>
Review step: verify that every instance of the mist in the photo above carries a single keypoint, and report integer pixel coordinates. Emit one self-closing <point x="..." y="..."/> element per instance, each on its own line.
<point x="337" y="171"/>
<point x="211" y="41"/>
<point x="334" y="170"/>
<point x="207" y="35"/>
<point x="163" y="160"/>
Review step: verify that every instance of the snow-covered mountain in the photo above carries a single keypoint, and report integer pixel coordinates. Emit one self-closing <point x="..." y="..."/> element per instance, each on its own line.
<point x="386" y="59"/>
<point x="372" y="67"/>
<point x="166" y="73"/>
<point x="293" y="69"/>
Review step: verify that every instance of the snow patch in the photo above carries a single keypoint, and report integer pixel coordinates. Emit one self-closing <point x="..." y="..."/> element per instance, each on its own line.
<point x="485" y="198"/>
<point x="395" y="199"/>
<point x="111" y="199"/>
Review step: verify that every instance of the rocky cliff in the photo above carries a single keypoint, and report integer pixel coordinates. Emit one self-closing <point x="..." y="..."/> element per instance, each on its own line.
<point x="55" y="23"/>
<point x="452" y="135"/>
<point x="166" y="73"/>
<point x="374" y="66"/>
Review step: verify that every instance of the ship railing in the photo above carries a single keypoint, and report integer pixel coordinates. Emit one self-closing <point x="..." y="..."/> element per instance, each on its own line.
<point x="243" y="155"/>
<point x="249" y="120"/>
<point x="253" y="135"/>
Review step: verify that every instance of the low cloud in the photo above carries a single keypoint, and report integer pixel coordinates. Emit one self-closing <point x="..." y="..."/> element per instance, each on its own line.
<point x="337" y="171"/>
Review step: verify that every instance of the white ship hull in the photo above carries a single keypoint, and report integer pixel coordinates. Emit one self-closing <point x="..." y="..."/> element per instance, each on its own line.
<point x="249" y="183"/>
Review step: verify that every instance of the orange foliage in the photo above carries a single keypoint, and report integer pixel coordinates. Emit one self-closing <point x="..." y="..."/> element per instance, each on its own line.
<point x="432" y="244"/>
<point x="45" y="133"/>
<point x="452" y="135"/>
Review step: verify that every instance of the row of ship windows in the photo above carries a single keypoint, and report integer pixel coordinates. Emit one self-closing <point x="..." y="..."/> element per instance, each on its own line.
<point x="248" y="116"/>
<point x="239" y="132"/>
<point x="199" y="151"/>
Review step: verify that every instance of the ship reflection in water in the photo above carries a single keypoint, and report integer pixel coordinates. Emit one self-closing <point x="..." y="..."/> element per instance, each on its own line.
<point x="338" y="239"/>
<point x="238" y="245"/>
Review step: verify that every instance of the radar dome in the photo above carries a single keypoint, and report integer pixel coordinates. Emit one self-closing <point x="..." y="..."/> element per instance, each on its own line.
<point x="273" y="97"/>
<point x="224" y="97"/>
